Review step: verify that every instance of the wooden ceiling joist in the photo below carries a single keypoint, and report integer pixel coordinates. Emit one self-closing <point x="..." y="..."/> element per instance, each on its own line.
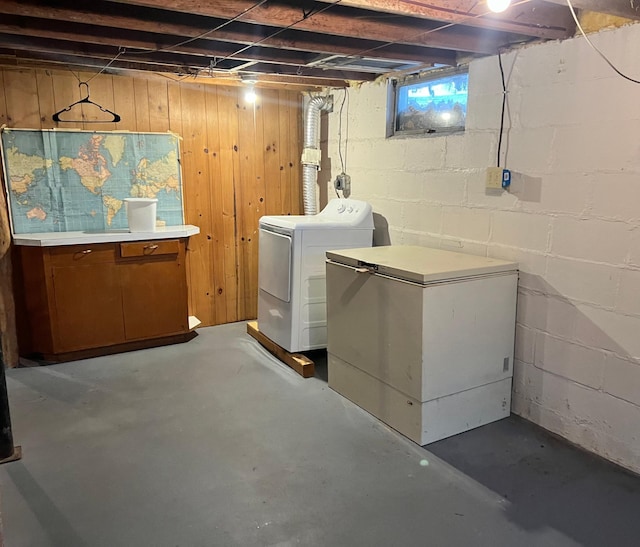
<point x="244" y="34"/>
<point x="621" y="8"/>
<point x="145" y="43"/>
<point x="182" y="63"/>
<point x="317" y="39"/>
<point x="534" y="18"/>
<point x="339" y="21"/>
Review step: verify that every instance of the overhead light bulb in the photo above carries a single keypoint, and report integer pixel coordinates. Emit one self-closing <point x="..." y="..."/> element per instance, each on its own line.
<point x="498" y="6"/>
<point x="250" y="95"/>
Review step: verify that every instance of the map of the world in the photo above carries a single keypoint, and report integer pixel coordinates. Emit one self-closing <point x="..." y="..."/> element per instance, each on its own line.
<point x="62" y="181"/>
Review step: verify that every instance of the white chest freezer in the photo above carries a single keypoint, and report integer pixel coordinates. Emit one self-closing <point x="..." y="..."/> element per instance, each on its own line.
<point x="422" y="338"/>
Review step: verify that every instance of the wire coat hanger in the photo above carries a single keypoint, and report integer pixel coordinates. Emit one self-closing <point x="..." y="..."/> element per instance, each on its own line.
<point x="86" y="100"/>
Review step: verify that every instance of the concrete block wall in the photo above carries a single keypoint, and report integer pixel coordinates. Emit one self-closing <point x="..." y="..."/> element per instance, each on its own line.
<point x="572" y="219"/>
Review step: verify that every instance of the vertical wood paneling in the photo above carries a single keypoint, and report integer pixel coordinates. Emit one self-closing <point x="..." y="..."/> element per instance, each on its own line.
<point x="252" y="192"/>
<point x="100" y="92"/>
<point x="195" y="169"/>
<point x="216" y="206"/>
<point x="66" y="92"/>
<point x="124" y="104"/>
<point x="271" y="149"/>
<point x="174" y="113"/>
<point x="21" y="94"/>
<point x="257" y="207"/>
<point x="141" y="101"/>
<point x="285" y="168"/>
<point x="248" y="193"/>
<point x="47" y="106"/>
<point x="238" y="163"/>
<point x="229" y="168"/>
<point x="3" y="102"/>
<point x="158" y="106"/>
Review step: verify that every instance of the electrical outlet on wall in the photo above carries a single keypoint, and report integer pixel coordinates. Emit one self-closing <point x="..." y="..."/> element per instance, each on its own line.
<point x="494" y="178"/>
<point x="343" y="182"/>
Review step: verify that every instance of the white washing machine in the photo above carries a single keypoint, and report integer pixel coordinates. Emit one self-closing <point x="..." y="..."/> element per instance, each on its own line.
<point x="291" y="274"/>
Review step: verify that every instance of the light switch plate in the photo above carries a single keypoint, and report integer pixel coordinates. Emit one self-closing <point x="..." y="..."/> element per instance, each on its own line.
<point x="494" y="178"/>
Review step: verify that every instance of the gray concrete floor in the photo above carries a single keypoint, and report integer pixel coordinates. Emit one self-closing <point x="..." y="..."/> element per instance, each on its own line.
<point x="215" y="443"/>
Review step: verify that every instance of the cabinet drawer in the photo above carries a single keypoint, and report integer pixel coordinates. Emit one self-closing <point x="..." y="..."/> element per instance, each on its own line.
<point x="77" y="255"/>
<point x="150" y="248"/>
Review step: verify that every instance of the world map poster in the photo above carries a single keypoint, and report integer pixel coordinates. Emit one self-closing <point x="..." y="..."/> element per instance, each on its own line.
<point x="63" y="181"/>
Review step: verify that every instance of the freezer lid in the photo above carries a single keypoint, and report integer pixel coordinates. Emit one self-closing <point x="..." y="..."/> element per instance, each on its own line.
<point x="420" y="264"/>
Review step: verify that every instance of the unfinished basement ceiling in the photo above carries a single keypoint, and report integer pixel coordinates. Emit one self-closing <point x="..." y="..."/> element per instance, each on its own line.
<point x="314" y="42"/>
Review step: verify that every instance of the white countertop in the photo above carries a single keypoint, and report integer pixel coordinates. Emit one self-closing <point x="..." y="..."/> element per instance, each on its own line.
<point x="54" y="239"/>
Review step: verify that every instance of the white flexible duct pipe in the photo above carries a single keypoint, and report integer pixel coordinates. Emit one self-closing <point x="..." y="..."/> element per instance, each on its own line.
<point x="311" y="152"/>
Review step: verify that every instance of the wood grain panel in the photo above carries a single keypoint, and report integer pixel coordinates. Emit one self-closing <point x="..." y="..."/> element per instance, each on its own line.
<point x="66" y="91"/>
<point x="271" y="150"/>
<point x="246" y="192"/>
<point x="21" y="93"/>
<point x="195" y="170"/>
<point x="158" y="105"/>
<point x="216" y="205"/>
<point x="145" y="279"/>
<point x="141" y="101"/>
<point x="123" y="104"/>
<point x="285" y="168"/>
<point x="87" y="317"/>
<point x="100" y="92"/>
<point x="155" y="247"/>
<point x="3" y="102"/>
<point x="238" y="163"/>
<point x="257" y="194"/>
<point x="229" y="168"/>
<point x="47" y="106"/>
<point x="252" y="192"/>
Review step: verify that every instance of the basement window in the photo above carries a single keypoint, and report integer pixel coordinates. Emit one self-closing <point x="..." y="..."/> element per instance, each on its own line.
<point x="430" y="103"/>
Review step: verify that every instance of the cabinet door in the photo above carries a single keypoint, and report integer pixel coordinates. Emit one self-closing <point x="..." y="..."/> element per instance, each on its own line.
<point x="88" y="306"/>
<point x="154" y="290"/>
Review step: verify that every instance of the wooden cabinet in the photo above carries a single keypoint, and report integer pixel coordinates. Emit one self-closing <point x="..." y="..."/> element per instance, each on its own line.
<point x="146" y="270"/>
<point x="80" y="300"/>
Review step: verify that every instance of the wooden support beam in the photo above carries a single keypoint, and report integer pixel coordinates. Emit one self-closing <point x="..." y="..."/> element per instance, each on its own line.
<point x="531" y="17"/>
<point x="621" y="8"/>
<point x="244" y="34"/>
<point x="339" y="21"/>
<point x="142" y="43"/>
<point x="304" y="366"/>
<point x="163" y="62"/>
<point x="266" y="80"/>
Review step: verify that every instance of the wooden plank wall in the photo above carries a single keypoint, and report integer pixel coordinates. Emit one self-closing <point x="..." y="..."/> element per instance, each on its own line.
<point x="239" y="162"/>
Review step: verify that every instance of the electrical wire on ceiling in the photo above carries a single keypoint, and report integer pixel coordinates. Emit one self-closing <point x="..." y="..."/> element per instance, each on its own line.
<point x="305" y="15"/>
<point x="575" y="17"/>
<point x="122" y="50"/>
<point x="105" y="67"/>
<point x="202" y="35"/>
<point x="469" y="17"/>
